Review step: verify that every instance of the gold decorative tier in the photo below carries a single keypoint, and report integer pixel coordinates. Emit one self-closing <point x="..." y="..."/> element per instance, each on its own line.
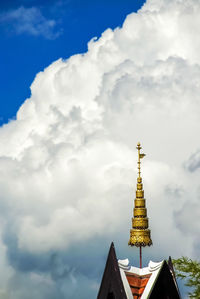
<point x="140" y="235"/>
<point x="140" y="223"/>
<point x="140" y="213"/>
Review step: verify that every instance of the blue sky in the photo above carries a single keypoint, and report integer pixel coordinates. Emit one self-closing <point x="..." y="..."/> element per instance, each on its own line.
<point x="26" y="52"/>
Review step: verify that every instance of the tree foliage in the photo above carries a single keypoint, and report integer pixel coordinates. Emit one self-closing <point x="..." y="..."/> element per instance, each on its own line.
<point x="189" y="270"/>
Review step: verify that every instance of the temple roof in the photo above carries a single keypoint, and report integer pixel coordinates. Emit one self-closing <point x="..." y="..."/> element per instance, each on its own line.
<point x="123" y="281"/>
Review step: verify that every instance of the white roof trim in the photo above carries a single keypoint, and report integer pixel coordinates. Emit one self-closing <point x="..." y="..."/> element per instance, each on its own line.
<point x="127" y="288"/>
<point x="153" y="269"/>
<point x="124" y="264"/>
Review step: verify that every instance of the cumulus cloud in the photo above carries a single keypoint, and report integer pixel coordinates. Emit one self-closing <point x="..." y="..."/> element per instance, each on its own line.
<point x="30" y="21"/>
<point x="193" y="163"/>
<point x="68" y="161"/>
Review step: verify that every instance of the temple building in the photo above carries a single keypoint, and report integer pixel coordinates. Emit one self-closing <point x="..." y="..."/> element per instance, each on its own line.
<point x="123" y="281"/>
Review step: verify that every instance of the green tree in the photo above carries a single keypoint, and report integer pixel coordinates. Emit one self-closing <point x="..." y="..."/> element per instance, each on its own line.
<point x="189" y="270"/>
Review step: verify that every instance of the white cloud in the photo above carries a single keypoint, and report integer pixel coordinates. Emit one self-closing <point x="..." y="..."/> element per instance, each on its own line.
<point x="193" y="163"/>
<point x="30" y="21"/>
<point x="68" y="162"/>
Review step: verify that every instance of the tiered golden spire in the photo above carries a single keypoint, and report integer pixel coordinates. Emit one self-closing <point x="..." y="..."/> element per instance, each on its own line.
<point x="140" y="235"/>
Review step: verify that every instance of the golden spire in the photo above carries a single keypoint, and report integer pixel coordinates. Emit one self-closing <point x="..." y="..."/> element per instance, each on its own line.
<point x="140" y="235"/>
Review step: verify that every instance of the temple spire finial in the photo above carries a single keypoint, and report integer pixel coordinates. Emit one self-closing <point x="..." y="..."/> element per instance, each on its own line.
<point x="140" y="156"/>
<point x="140" y="235"/>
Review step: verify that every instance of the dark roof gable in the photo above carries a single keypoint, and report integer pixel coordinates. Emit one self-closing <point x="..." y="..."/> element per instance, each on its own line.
<point x="165" y="286"/>
<point x="111" y="284"/>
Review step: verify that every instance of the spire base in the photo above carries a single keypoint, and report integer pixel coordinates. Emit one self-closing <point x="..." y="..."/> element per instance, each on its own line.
<point x="140" y="237"/>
